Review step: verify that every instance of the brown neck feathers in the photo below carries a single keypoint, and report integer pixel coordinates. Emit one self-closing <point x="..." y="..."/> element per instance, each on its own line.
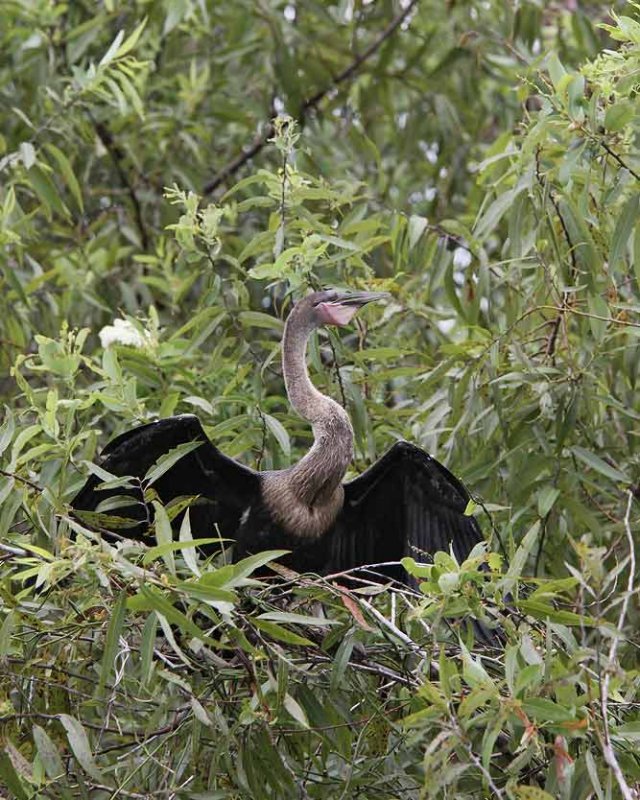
<point x="318" y="474"/>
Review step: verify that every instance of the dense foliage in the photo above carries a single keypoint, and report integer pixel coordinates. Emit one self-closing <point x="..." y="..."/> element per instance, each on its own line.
<point x="173" y="175"/>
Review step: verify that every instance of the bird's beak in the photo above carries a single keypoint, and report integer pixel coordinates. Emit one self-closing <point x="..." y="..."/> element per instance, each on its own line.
<point x="359" y="299"/>
<point x="342" y="310"/>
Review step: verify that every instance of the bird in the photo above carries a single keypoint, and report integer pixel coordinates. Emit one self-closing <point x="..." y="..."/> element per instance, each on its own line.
<point x="405" y="504"/>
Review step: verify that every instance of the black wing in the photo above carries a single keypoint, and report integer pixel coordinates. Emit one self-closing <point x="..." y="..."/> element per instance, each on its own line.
<point x="405" y="500"/>
<point x="225" y="487"/>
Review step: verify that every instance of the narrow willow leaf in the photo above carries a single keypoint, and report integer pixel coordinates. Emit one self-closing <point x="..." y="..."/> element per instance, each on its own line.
<point x="168" y="547"/>
<point x="629" y="731"/>
<point x="11" y="777"/>
<point x="46" y="190"/>
<point x="146" y="648"/>
<point x="282" y="634"/>
<point x="200" y="712"/>
<point x="164" y="535"/>
<point x="544" y="611"/>
<point x="250" y="564"/>
<point x="111" y="640"/>
<point x="601" y="466"/>
<point x="168" y="460"/>
<point x="298" y="619"/>
<point x="546" y="498"/>
<point x="67" y="173"/>
<point x="623" y="230"/>
<point x="79" y="743"/>
<point x="203" y="591"/>
<point x="7" y="430"/>
<point x="188" y="553"/>
<point x="541" y="709"/>
<point x="279" y="433"/>
<point x="131" y="41"/>
<point x="341" y="660"/>
<point x="473" y="672"/>
<point x="48" y="752"/>
<point x="599" y="311"/>
<point x="523" y="552"/>
<point x="592" y="769"/>
<point x="296" y="710"/>
<point x="6" y="632"/>
<point x="113" y="49"/>
<point x="257" y="319"/>
<point x="417" y="226"/>
<point x="151" y="598"/>
<point x="582" y="244"/>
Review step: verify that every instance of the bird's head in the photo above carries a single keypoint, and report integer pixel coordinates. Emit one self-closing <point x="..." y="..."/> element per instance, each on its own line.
<point x="332" y="307"/>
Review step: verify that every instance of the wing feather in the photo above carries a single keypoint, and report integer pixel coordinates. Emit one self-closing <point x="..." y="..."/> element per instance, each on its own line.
<point x="224" y="487"/>
<point x="405" y="504"/>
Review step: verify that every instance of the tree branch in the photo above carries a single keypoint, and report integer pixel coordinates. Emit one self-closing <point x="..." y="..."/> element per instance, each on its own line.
<point x="118" y="156"/>
<point x="309" y="104"/>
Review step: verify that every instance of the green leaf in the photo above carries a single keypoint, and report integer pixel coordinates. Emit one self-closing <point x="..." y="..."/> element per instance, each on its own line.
<point x="164" y="534"/>
<point x="161" y="550"/>
<point x="299" y="619"/>
<point x="473" y="672"/>
<point x="544" y="611"/>
<point x="522" y="554"/>
<point x="150" y="598"/>
<point x="146" y="648"/>
<point x="282" y="634"/>
<point x="47" y="193"/>
<point x="131" y="41"/>
<point x="547" y="496"/>
<point x="279" y="433"/>
<point x="417" y="226"/>
<point x="168" y="460"/>
<point x="80" y="747"/>
<point x="114" y="630"/>
<point x="204" y="591"/>
<point x="624" y="228"/>
<point x="543" y="710"/>
<point x="67" y="173"/>
<point x="113" y="49"/>
<point x="630" y="731"/>
<point x="599" y="465"/>
<point x="11" y="777"/>
<point x="250" y="564"/>
<point x="582" y="244"/>
<point x="296" y="710"/>
<point x="48" y="752"/>
<point x="7" y="430"/>
<point x="257" y="319"/>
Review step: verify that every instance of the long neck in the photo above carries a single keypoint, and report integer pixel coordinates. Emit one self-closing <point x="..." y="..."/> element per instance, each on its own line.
<point x="317" y="475"/>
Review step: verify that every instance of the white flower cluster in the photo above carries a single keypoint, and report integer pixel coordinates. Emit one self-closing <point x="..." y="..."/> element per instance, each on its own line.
<point x="123" y="331"/>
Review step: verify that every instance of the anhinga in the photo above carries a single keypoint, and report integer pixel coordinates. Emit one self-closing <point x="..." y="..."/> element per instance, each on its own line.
<point x="405" y="502"/>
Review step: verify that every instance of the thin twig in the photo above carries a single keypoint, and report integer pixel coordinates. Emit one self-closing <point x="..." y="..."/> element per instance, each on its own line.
<point x="118" y="156"/>
<point x="309" y="104"/>
<point x="607" y="750"/>
<point x="617" y="158"/>
<point x="22" y="480"/>
<point x="336" y="365"/>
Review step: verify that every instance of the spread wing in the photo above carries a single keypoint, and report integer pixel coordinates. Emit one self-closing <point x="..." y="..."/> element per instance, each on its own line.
<point x="406" y="500"/>
<point x="224" y="487"/>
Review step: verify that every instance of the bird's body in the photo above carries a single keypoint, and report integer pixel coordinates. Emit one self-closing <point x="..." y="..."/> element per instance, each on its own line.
<point x="406" y="502"/>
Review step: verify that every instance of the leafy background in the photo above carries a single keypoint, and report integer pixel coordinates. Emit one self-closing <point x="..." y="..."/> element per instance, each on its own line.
<point x="193" y="167"/>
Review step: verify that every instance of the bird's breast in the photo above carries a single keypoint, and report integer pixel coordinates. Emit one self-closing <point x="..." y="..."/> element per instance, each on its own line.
<point x="296" y="517"/>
